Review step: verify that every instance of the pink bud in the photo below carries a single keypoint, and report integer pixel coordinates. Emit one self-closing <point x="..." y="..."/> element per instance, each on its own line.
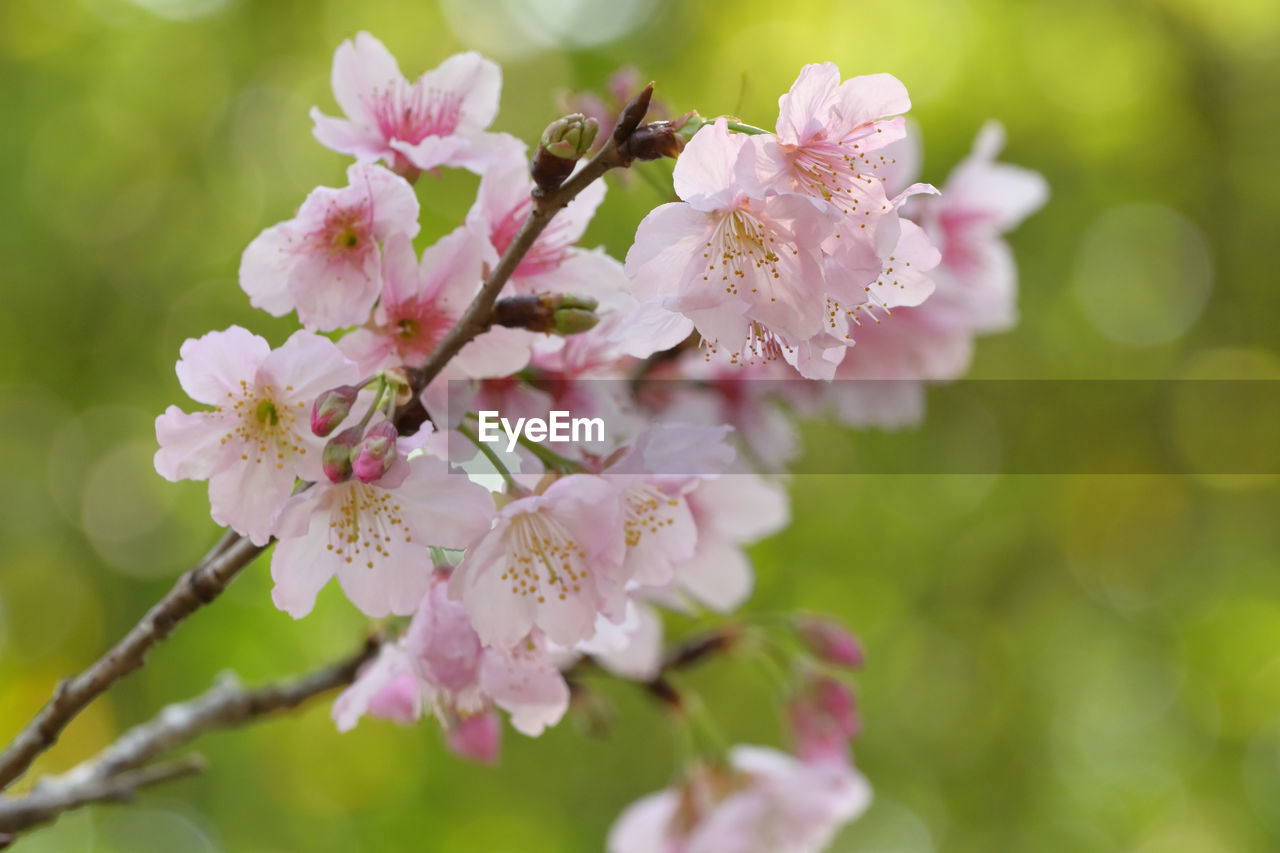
<point x="823" y="719"/>
<point x="331" y="408"/>
<point x="336" y="457"/>
<point x="376" y="453"/>
<point x="829" y="640"/>
<point x="477" y="737"/>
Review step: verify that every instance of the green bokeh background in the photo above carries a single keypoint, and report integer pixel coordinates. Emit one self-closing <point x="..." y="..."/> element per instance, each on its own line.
<point x="1055" y="663"/>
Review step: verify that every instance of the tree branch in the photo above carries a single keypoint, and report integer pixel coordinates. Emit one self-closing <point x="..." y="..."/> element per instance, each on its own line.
<point x="196" y="588"/>
<point x="117" y="772"/>
<point x="479" y="314"/>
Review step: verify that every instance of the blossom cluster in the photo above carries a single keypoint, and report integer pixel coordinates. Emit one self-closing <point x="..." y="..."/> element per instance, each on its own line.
<point x="805" y="253"/>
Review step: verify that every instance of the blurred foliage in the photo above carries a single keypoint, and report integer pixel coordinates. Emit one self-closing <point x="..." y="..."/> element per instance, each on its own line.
<point x="1055" y="663"/>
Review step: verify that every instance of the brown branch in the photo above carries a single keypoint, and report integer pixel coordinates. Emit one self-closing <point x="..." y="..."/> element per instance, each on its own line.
<point x="479" y="314"/>
<point x="196" y="588"/>
<point x="118" y="771"/>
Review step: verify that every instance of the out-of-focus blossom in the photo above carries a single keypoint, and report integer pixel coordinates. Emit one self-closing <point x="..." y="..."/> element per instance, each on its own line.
<point x="764" y="802"/>
<point x="325" y="263"/>
<point x="439" y="666"/>
<point x="823" y="719"/>
<point x="554" y="264"/>
<point x="257" y="440"/>
<point x="829" y="641"/>
<point x="981" y="201"/>
<point x="437" y="120"/>
<point x="375" y="536"/>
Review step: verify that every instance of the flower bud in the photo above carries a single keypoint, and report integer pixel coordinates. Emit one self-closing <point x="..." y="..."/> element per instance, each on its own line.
<point x="336" y="457"/>
<point x="563" y="142"/>
<point x="553" y="313"/>
<point x="829" y="640"/>
<point x="653" y="141"/>
<point x="331" y="408"/>
<point x="632" y="114"/>
<point x="823" y="718"/>
<point x="375" y="454"/>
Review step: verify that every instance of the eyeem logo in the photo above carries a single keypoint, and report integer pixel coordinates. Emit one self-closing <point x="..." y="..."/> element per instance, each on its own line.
<point x="560" y="428"/>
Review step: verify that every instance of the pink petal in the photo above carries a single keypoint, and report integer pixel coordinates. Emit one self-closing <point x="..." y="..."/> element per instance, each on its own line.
<point x="869" y="97"/>
<point x="361" y="69"/>
<point x="804" y="110"/>
<point x="265" y="268"/>
<point x="474" y="80"/>
<point x="190" y="444"/>
<point x="214" y="365"/>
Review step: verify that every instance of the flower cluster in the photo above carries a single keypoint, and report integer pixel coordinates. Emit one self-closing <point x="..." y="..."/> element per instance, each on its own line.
<point x="361" y="453"/>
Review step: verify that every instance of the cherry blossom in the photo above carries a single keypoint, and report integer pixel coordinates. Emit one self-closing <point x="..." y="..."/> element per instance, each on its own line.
<point x="256" y="441"/>
<point x="325" y="263"/>
<point x="828" y="133"/>
<point x="375" y="536"/>
<point x="554" y="264"/>
<point x="746" y="270"/>
<point x="552" y="560"/>
<point x="421" y="301"/>
<point x="439" y="666"/>
<point x="981" y="201"/>
<point x="823" y="719"/>
<point x="437" y="120"/>
<point x="764" y="802"/>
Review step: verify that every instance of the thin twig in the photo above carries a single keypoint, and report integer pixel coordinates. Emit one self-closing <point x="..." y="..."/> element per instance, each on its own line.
<point x="45" y="805"/>
<point x="196" y="588"/>
<point x="118" y="771"/>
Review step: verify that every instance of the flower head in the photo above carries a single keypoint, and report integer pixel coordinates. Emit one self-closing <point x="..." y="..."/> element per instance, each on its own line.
<point x="375" y="536"/>
<point x="763" y="802"/>
<point x="257" y="439"/>
<point x="325" y="263"/>
<point x="437" y="120"/>
<point x="552" y="561"/>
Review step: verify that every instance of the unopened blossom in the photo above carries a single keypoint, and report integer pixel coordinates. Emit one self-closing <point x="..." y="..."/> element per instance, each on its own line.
<point x="829" y="640"/>
<point x="554" y="263"/>
<point x="438" y="120"/>
<point x="745" y="267"/>
<point x="828" y="137"/>
<point x="823" y="719"/>
<point x="257" y="439"/>
<point x="325" y="263"/>
<point x="376" y="537"/>
<point x="764" y="801"/>
<point x="440" y="667"/>
<point x="422" y="300"/>
<point x="552" y="561"/>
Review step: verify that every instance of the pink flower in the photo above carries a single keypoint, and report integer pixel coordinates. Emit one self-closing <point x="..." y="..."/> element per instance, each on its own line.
<point x="746" y="269"/>
<point x="439" y="666"/>
<point x="375" y="536"/>
<point x="730" y="512"/>
<point x="325" y="262"/>
<point x="422" y="301"/>
<point x="257" y="440"/>
<point x="438" y="120"/>
<point x="975" y="286"/>
<point x="656" y="476"/>
<point x="982" y="200"/>
<point x="829" y="640"/>
<point x="554" y="263"/>
<point x="552" y="561"/>
<point x="823" y="719"/>
<point x="763" y="802"/>
<point x="827" y="136"/>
